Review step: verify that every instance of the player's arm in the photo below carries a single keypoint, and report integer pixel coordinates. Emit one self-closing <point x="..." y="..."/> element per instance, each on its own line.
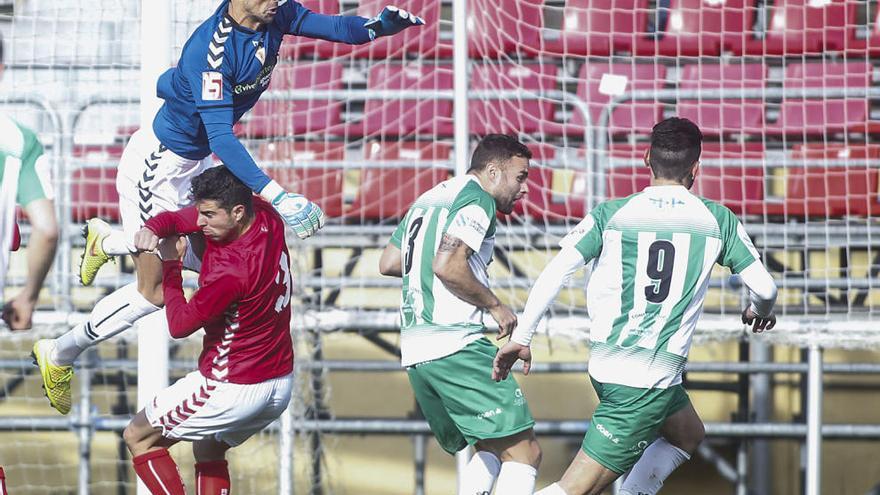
<point x="762" y="297"/>
<point x="35" y="194"/>
<point x="451" y="267"/>
<point x="739" y="254"/>
<point x="353" y="30"/>
<point x="208" y="303"/>
<point x="391" y="264"/>
<point x="166" y="224"/>
<point x="212" y="92"/>
<point x="580" y="246"/>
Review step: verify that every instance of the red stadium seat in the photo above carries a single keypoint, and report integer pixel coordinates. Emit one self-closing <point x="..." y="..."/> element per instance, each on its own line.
<point x="301" y="151"/>
<point x="822" y="192"/>
<point x="601" y="27"/>
<point x="631" y="117"/>
<point x="512" y="30"/>
<point x="736" y="186"/>
<point x="510" y="116"/>
<point x="404" y="117"/>
<point x="805" y="27"/>
<point x="93" y="194"/>
<point x="293" y="47"/>
<point x="820" y="151"/>
<point x="387" y="193"/>
<point x="702" y="27"/>
<point x="408" y="150"/>
<point x="870" y="43"/>
<point x="555" y="195"/>
<point x="321" y="185"/>
<point x="98" y="153"/>
<point x="727" y="116"/>
<point x="298" y="117"/>
<point x="824" y="115"/>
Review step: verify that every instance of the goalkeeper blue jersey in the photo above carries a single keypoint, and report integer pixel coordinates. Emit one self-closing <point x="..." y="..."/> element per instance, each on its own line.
<point x="223" y="70"/>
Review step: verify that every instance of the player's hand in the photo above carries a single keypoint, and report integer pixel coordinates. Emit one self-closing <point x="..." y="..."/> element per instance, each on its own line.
<point x="505" y="317"/>
<point x="172" y="248"/>
<point x="507" y="356"/>
<point x="18" y="313"/>
<point x="390" y="21"/>
<point x="146" y="240"/>
<point x="303" y="216"/>
<point x="759" y="323"/>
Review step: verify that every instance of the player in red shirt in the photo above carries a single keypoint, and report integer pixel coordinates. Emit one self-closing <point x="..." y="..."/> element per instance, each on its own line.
<point x="243" y="303"/>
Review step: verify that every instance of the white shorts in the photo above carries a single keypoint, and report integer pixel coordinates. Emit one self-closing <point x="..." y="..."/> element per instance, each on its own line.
<point x="196" y="408"/>
<point x="152" y="179"/>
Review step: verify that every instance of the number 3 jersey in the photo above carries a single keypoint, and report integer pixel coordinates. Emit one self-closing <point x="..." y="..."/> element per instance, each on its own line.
<point x="243" y="300"/>
<point x="652" y="256"/>
<point x="434" y="322"/>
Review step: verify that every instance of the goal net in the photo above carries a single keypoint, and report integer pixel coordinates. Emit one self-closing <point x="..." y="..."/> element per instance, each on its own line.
<point x="785" y="93"/>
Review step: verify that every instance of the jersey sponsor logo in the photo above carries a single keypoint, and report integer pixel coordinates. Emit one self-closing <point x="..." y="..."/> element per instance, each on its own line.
<point x="262" y="80"/>
<point x="607" y="434"/>
<point x="490" y="413"/>
<point x="212" y="86"/>
<point x="472" y="223"/>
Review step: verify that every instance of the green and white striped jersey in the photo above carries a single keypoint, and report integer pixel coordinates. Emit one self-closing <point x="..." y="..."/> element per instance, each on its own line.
<point x="434" y="322"/>
<point x="653" y="253"/>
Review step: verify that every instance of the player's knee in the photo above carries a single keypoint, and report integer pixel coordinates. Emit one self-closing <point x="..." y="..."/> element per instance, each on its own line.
<point x="132" y="438"/>
<point x="692" y="438"/>
<point x="152" y="293"/>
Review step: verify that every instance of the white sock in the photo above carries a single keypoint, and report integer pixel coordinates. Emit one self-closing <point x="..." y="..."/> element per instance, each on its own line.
<point x="111" y="315"/>
<point x="115" y="244"/>
<point x="516" y="478"/>
<point x="553" y="489"/>
<point x="656" y="464"/>
<point x="479" y="475"/>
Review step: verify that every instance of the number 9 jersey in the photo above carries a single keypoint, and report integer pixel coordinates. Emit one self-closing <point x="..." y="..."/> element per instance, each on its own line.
<point x="653" y="253"/>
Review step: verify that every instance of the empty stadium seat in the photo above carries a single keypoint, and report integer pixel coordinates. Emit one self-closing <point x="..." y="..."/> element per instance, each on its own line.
<point x="824" y="115"/>
<point x="510" y="116"/>
<point x="600" y="27"/>
<point x="387" y="193"/>
<point x="293" y="47"/>
<point x="512" y="30"/>
<point x="300" y="151"/>
<point x="819" y="151"/>
<point x="297" y="117"/>
<point x="630" y="117"/>
<point x="408" y="150"/>
<point x="403" y="117"/>
<point x="555" y="195"/>
<point x="805" y="27"/>
<point x="93" y="194"/>
<point x="727" y="116"/>
<point x="822" y="192"/>
<point x="869" y="44"/>
<point x="705" y="28"/>
<point x="321" y="185"/>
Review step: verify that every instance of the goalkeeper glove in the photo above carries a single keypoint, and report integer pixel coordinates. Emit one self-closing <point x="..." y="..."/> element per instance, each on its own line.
<point x="303" y="216"/>
<point x="391" y="21"/>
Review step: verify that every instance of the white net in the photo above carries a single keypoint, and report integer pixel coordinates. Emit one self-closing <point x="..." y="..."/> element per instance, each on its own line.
<point x="784" y="91"/>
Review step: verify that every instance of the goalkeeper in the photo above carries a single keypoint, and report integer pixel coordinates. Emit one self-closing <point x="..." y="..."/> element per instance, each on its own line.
<point x="652" y="254"/>
<point x="224" y="68"/>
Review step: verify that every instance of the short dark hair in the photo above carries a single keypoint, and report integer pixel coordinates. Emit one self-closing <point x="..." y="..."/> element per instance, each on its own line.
<point x="218" y="184"/>
<point x="497" y="147"/>
<point x="676" y="144"/>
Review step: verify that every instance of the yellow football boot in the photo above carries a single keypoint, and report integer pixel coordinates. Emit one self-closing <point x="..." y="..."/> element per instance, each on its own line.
<point x="56" y="379"/>
<point x="93" y="257"/>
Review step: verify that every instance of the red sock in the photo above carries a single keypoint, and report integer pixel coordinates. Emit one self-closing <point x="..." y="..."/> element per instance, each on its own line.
<point x="3" y="482"/>
<point x="212" y="478"/>
<point x="159" y="472"/>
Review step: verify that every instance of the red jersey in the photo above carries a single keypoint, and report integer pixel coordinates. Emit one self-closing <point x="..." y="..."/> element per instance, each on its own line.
<point x="243" y="300"/>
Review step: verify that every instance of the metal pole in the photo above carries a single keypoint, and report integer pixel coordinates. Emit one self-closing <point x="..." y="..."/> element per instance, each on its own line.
<point x="460" y="85"/>
<point x="84" y="430"/>
<point x="762" y="405"/>
<point x="285" y="452"/>
<point x="814" y="422"/>
<point x="419" y="457"/>
<point x="742" y="468"/>
<point x="155" y="41"/>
